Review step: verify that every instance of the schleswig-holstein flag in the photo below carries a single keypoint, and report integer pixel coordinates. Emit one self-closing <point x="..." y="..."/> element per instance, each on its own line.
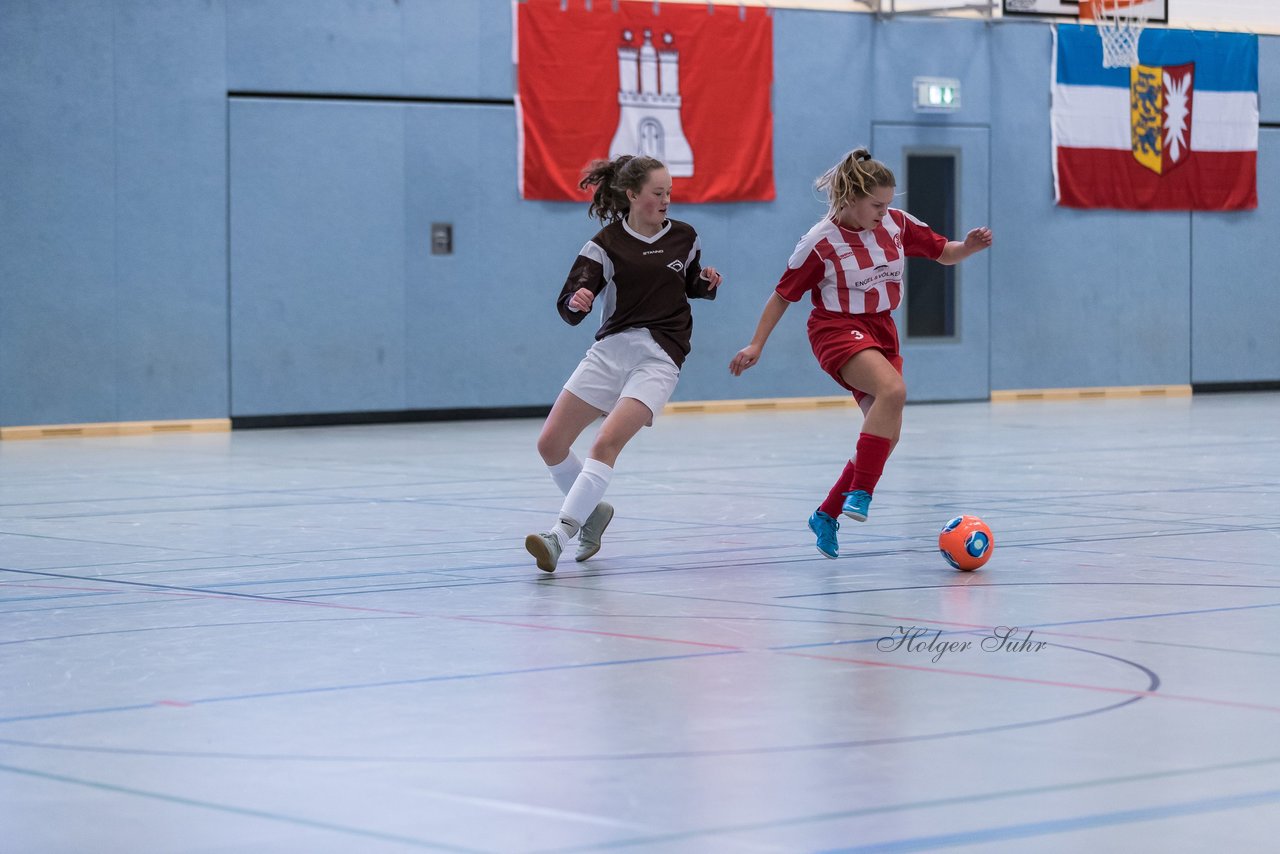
<point x="1178" y="131"/>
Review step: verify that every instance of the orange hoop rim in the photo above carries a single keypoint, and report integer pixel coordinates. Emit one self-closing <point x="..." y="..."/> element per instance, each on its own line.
<point x="1089" y="8"/>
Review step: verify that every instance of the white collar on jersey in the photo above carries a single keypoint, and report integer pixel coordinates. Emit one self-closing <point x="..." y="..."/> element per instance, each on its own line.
<point x="666" y="226"/>
<point x="842" y="227"/>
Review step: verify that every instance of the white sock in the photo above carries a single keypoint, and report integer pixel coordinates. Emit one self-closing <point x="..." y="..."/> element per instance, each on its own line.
<point x="565" y="472"/>
<point x="583" y="496"/>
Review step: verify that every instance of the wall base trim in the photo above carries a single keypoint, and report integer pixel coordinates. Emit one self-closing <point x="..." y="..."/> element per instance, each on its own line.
<point x="399" y="416"/>
<point x="1094" y="393"/>
<point x="773" y="404"/>
<point x="115" y="428"/>
<point x="759" y="404"/>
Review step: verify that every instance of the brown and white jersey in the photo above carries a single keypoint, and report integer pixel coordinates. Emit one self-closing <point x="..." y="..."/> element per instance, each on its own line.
<point x="641" y="282"/>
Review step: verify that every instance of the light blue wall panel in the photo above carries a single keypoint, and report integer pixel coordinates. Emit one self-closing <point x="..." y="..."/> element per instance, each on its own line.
<point x="324" y="46"/>
<point x="816" y="120"/>
<point x="956" y="368"/>
<point x="749" y="245"/>
<point x="1235" y="298"/>
<point x="317" y="257"/>
<point x="908" y="48"/>
<point x="1269" y="78"/>
<point x="57" y="197"/>
<point x="171" y="214"/>
<point x="435" y="62"/>
<point x="1079" y="298"/>
<point x="483" y="328"/>
<point x="435" y="48"/>
<point x="482" y="325"/>
<point x="113" y="258"/>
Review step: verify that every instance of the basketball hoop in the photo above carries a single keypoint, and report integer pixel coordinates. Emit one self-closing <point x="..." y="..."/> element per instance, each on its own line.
<point x="1120" y="24"/>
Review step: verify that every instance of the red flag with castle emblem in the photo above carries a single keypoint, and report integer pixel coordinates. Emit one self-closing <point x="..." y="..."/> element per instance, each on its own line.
<point x="687" y="84"/>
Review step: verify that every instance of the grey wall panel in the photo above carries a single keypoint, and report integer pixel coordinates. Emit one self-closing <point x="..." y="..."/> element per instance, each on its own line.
<point x="58" y="302"/>
<point x="317" y="257"/>
<point x="1235" y="295"/>
<point x="171" y="213"/>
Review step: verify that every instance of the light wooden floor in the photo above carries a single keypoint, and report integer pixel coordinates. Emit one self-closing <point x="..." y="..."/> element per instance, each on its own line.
<point x="332" y="640"/>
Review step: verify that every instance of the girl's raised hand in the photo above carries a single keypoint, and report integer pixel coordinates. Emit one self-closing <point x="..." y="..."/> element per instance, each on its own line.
<point x="978" y="239"/>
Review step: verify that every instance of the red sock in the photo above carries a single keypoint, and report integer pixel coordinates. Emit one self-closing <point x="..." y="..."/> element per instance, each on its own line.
<point x="871" y="456"/>
<point x="835" y="499"/>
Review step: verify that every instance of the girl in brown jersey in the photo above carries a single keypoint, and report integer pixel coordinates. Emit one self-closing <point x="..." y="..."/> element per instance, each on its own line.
<point x="643" y="269"/>
<point x="851" y="262"/>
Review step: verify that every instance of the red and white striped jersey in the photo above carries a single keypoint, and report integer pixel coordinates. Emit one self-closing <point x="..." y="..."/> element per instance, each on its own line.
<point x="857" y="272"/>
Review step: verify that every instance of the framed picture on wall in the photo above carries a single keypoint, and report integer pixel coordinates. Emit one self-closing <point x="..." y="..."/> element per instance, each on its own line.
<point x="1158" y="11"/>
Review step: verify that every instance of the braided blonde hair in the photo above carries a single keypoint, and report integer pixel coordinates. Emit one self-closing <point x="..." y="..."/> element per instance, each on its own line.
<point x="855" y="177"/>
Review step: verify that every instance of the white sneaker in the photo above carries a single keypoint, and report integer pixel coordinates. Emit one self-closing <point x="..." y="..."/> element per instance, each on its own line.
<point x="546" y="550"/>
<point x="593" y="530"/>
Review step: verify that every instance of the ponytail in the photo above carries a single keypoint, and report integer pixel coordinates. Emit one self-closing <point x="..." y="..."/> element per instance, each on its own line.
<point x="855" y="177"/>
<point x="612" y="179"/>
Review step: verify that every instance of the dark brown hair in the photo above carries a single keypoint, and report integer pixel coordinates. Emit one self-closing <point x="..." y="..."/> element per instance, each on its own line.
<point x="612" y="179"/>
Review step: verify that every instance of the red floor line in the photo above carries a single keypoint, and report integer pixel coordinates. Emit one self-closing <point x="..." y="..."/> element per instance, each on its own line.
<point x="600" y="633"/>
<point x="865" y="662"/>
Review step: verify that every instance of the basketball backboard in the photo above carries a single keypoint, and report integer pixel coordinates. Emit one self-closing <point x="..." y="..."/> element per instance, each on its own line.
<point x="1158" y="10"/>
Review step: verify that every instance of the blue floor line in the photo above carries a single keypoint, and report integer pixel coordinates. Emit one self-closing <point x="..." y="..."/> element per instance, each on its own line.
<point x="226" y="808"/>
<point x="1063" y="825"/>
<point x="391" y="683"/>
<point x="957" y="800"/>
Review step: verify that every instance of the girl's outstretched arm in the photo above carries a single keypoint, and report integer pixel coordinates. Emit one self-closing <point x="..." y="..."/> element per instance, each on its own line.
<point x="750" y="354"/>
<point x="956" y="251"/>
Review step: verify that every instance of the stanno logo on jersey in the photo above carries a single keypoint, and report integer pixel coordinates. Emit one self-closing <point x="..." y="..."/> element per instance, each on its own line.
<point x="676" y="265"/>
<point x="653" y="252"/>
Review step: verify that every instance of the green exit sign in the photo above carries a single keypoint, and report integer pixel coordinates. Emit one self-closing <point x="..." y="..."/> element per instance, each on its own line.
<point x="937" y="94"/>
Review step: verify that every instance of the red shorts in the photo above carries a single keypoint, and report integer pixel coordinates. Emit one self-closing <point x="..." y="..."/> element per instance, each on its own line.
<point x="836" y="337"/>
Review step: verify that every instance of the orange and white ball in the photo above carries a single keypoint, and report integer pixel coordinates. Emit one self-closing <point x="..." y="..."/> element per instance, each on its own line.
<point x="966" y="543"/>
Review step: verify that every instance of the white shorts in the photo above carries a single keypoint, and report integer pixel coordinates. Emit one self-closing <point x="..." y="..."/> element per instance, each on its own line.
<point x="627" y="364"/>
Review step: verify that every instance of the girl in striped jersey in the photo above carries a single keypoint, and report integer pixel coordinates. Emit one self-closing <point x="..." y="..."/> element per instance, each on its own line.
<point x="644" y="269"/>
<point x="851" y="262"/>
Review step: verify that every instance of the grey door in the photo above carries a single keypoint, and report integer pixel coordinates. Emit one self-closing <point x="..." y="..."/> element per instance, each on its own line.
<point x="947" y="353"/>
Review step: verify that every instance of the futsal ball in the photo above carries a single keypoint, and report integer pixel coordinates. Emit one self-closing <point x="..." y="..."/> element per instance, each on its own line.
<point x="966" y="543"/>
